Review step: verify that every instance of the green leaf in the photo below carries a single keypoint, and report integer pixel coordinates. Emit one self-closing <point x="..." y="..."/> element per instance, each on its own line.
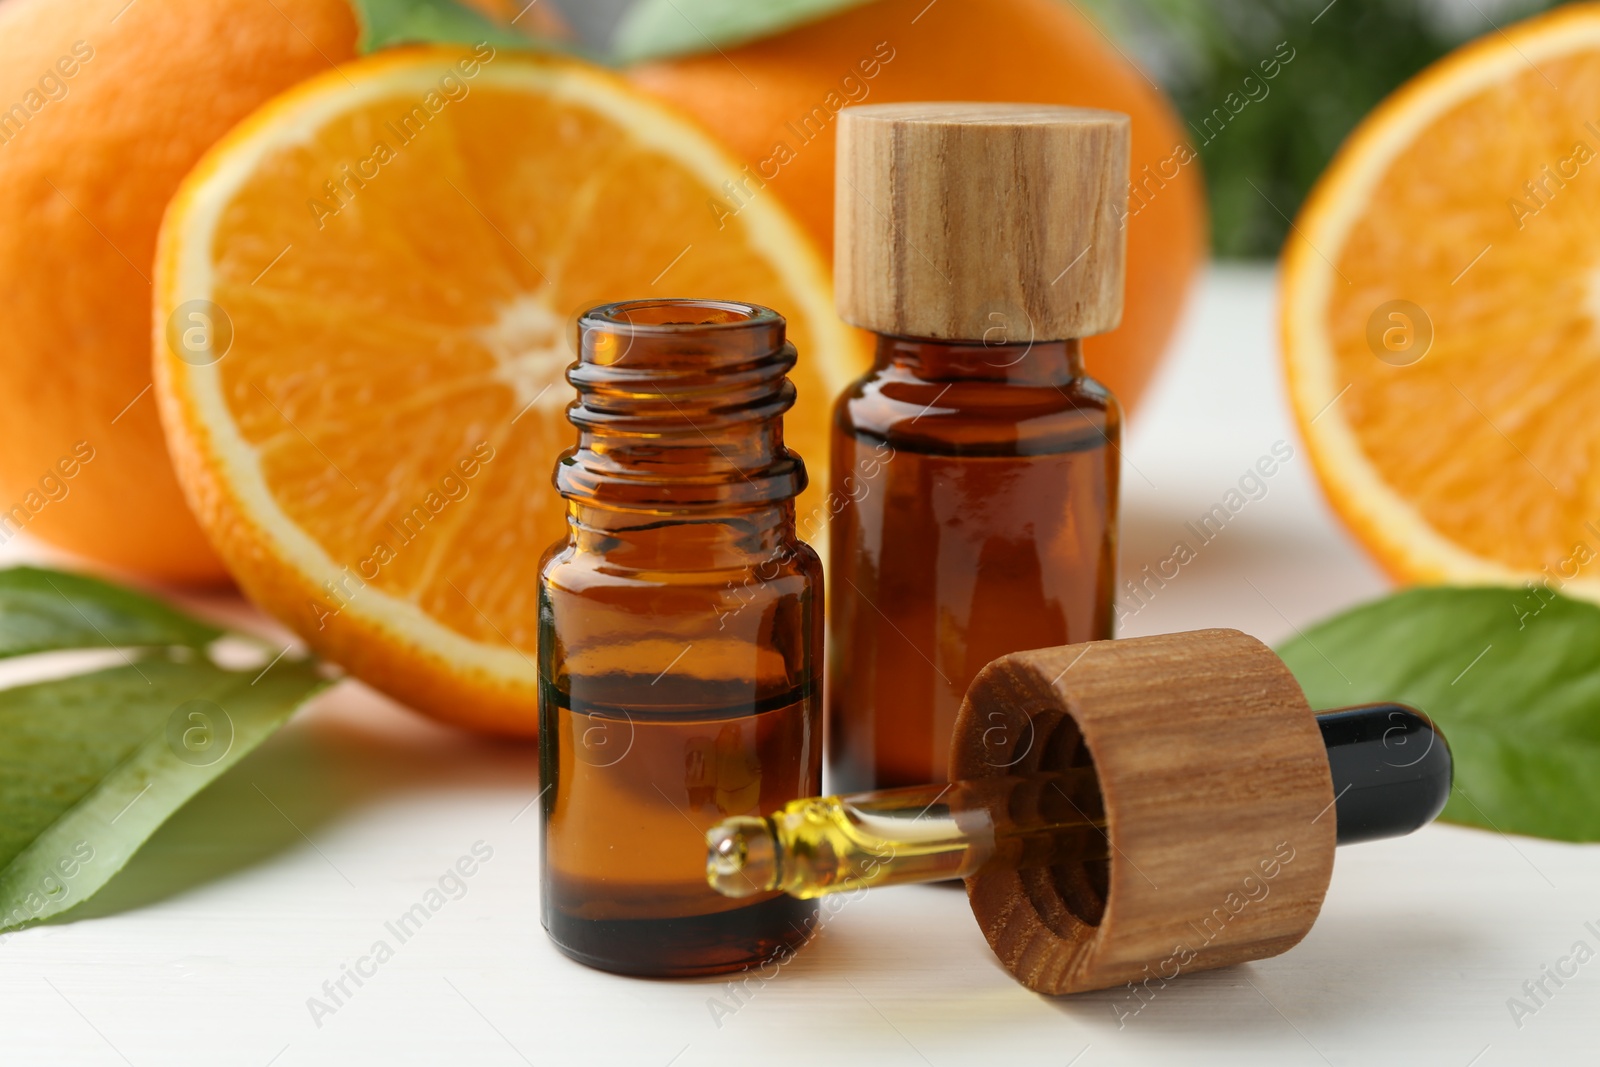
<point x="390" y="22"/>
<point x="655" y="28"/>
<point x="1512" y="677"/>
<point x="91" y="765"/>
<point x="41" y="611"/>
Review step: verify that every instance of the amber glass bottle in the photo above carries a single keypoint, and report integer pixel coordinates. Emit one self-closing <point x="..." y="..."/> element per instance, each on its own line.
<point x="976" y="465"/>
<point x="989" y="530"/>
<point x="680" y="638"/>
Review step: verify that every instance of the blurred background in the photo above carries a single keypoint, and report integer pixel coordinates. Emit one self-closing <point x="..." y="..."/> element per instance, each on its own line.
<point x="250" y="897"/>
<point x="1200" y="51"/>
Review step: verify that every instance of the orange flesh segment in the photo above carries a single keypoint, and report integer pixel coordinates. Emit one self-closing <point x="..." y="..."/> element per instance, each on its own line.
<point x="1491" y="436"/>
<point x="380" y="348"/>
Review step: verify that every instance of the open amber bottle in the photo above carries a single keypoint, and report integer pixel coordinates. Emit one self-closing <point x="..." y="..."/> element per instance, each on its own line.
<point x="680" y="637"/>
<point x="976" y="464"/>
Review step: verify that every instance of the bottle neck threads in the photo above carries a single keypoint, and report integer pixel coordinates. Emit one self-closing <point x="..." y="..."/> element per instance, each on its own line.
<point x="680" y="409"/>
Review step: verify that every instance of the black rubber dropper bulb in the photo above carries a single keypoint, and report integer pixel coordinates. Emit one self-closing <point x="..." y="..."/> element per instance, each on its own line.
<point x="1391" y="768"/>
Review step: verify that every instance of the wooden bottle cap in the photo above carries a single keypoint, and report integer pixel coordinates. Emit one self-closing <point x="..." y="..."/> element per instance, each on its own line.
<point x="966" y="222"/>
<point x="1218" y="804"/>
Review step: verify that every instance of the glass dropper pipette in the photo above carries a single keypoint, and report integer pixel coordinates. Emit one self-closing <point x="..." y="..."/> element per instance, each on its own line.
<point x="924" y="833"/>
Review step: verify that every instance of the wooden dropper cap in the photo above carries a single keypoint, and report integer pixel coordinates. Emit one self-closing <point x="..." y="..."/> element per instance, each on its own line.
<point x="1218" y="807"/>
<point x="1124" y="811"/>
<point x="966" y="222"/>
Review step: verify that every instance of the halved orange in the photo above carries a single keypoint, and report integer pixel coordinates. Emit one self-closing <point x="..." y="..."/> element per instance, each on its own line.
<point x="1441" y="315"/>
<point x="364" y="308"/>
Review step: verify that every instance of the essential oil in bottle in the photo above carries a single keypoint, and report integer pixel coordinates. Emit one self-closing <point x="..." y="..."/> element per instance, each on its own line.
<point x="680" y="639"/>
<point x="976" y="463"/>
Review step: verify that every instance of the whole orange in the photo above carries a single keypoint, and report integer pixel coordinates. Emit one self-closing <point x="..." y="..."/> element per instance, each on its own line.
<point x="774" y="102"/>
<point x="104" y="107"/>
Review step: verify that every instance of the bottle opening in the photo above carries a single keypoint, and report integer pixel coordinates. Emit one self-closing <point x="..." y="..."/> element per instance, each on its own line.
<point x="678" y="334"/>
<point x="666" y="314"/>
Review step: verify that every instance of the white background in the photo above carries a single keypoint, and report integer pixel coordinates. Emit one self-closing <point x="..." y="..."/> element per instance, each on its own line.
<point x="207" y="947"/>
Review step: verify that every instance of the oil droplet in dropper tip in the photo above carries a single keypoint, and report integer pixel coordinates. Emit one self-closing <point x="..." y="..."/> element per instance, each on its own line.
<point x="741" y="860"/>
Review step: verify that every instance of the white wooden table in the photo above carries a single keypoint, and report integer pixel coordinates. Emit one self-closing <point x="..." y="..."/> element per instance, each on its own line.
<point x="207" y="948"/>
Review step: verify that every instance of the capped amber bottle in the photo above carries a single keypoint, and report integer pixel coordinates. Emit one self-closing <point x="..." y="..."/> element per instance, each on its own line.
<point x="680" y="638"/>
<point x="976" y="464"/>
